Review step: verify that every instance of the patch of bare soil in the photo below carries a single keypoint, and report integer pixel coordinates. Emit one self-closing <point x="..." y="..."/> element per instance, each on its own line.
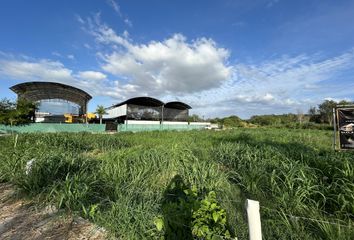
<point x="19" y="219"/>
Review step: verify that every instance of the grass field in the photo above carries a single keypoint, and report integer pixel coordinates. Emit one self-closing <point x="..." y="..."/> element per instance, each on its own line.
<point x="123" y="181"/>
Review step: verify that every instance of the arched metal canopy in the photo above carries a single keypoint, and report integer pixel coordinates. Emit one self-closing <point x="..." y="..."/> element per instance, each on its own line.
<point x="153" y="102"/>
<point x="142" y="101"/>
<point x="177" y="105"/>
<point x="36" y="91"/>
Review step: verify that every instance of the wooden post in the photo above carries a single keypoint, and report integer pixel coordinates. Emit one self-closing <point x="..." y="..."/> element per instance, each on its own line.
<point x="254" y="220"/>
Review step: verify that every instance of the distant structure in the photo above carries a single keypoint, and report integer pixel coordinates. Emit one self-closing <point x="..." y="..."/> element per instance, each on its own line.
<point x="134" y="114"/>
<point x="176" y="111"/>
<point x="53" y="92"/>
<point x="140" y="109"/>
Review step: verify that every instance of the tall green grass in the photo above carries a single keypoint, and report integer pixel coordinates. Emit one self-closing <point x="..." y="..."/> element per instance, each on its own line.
<point x="120" y="181"/>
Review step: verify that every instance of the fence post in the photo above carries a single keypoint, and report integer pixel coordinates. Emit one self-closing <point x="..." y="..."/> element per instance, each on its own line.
<point x="254" y="220"/>
<point x="334" y="129"/>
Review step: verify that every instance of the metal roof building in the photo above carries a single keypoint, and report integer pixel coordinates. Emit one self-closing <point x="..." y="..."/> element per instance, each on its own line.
<point x="147" y="108"/>
<point x="176" y="111"/>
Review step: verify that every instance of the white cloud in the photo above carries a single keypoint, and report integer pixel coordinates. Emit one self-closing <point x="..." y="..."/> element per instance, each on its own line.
<point x="56" y="54"/>
<point x="198" y="72"/>
<point x="292" y="76"/>
<point x="276" y="86"/>
<point x="71" y="56"/>
<point x="79" y="19"/>
<point x="173" y="65"/>
<point x="88" y="46"/>
<point x="53" y="71"/>
<point x="35" y="70"/>
<point x="115" y="6"/>
<point x="128" y="22"/>
<point x="117" y="9"/>
<point x="91" y="75"/>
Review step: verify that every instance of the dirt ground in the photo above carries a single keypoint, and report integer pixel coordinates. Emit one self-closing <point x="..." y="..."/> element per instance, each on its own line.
<point x="19" y="219"/>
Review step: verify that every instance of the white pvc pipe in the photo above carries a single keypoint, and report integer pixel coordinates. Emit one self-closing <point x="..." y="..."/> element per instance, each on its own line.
<point x="254" y="220"/>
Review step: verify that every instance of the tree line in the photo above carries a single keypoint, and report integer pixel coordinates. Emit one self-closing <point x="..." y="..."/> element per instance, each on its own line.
<point x="320" y="114"/>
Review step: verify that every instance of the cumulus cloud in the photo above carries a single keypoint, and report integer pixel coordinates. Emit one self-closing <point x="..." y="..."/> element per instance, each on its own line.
<point x="35" y="70"/>
<point x="25" y="69"/>
<point x="191" y="70"/>
<point x="173" y="65"/>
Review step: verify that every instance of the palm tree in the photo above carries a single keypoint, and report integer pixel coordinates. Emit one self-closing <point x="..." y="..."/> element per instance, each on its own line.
<point x="100" y="110"/>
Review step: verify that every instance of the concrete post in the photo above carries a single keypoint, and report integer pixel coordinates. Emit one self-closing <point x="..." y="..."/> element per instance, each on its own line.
<point x="254" y="220"/>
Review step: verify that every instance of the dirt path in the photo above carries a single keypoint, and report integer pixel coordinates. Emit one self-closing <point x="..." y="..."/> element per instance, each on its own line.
<point x="19" y="219"/>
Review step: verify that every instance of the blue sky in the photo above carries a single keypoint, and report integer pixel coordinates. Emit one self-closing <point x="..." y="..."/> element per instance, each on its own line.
<point x="221" y="57"/>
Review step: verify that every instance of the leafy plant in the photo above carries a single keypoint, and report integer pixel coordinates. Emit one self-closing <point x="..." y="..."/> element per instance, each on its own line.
<point x="209" y="221"/>
<point x="189" y="215"/>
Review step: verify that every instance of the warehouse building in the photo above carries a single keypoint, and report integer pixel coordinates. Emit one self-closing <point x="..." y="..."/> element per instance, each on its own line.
<point x="146" y="113"/>
<point x="147" y="110"/>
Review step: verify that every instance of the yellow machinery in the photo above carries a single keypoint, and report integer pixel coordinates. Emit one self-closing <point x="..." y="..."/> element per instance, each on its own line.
<point x="91" y="116"/>
<point x="70" y="118"/>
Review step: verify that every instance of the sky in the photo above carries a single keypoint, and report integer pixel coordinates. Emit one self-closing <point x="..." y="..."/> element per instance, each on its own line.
<point x="222" y="57"/>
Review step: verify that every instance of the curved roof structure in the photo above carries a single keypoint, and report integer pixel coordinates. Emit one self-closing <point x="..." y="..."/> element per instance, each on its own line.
<point x="153" y="102"/>
<point x="36" y="91"/>
<point x="142" y="101"/>
<point x="177" y="105"/>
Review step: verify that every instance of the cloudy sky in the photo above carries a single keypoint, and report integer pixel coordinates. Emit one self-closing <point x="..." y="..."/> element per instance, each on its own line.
<point x="224" y="57"/>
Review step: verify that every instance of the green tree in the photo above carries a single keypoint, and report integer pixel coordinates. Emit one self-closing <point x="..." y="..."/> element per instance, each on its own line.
<point x="345" y="102"/>
<point x="314" y="116"/>
<point x="100" y="110"/>
<point x="194" y="118"/>
<point x="232" y="121"/>
<point x="21" y="112"/>
<point x="26" y="110"/>
<point x="7" y="107"/>
<point x="325" y="110"/>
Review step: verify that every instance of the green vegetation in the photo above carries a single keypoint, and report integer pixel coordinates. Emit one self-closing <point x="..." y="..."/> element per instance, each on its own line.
<point x="100" y="110"/>
<point x="16" y="113"/>
<point x="144" y="185"/>
<point x="268" y="120"/>
<point x="194" y="118"/>
<point x="230" y="122"/>
<point x="320" y="117"/>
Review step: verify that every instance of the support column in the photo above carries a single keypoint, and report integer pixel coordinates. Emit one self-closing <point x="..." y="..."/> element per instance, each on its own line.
<point x="162" y="110"/>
